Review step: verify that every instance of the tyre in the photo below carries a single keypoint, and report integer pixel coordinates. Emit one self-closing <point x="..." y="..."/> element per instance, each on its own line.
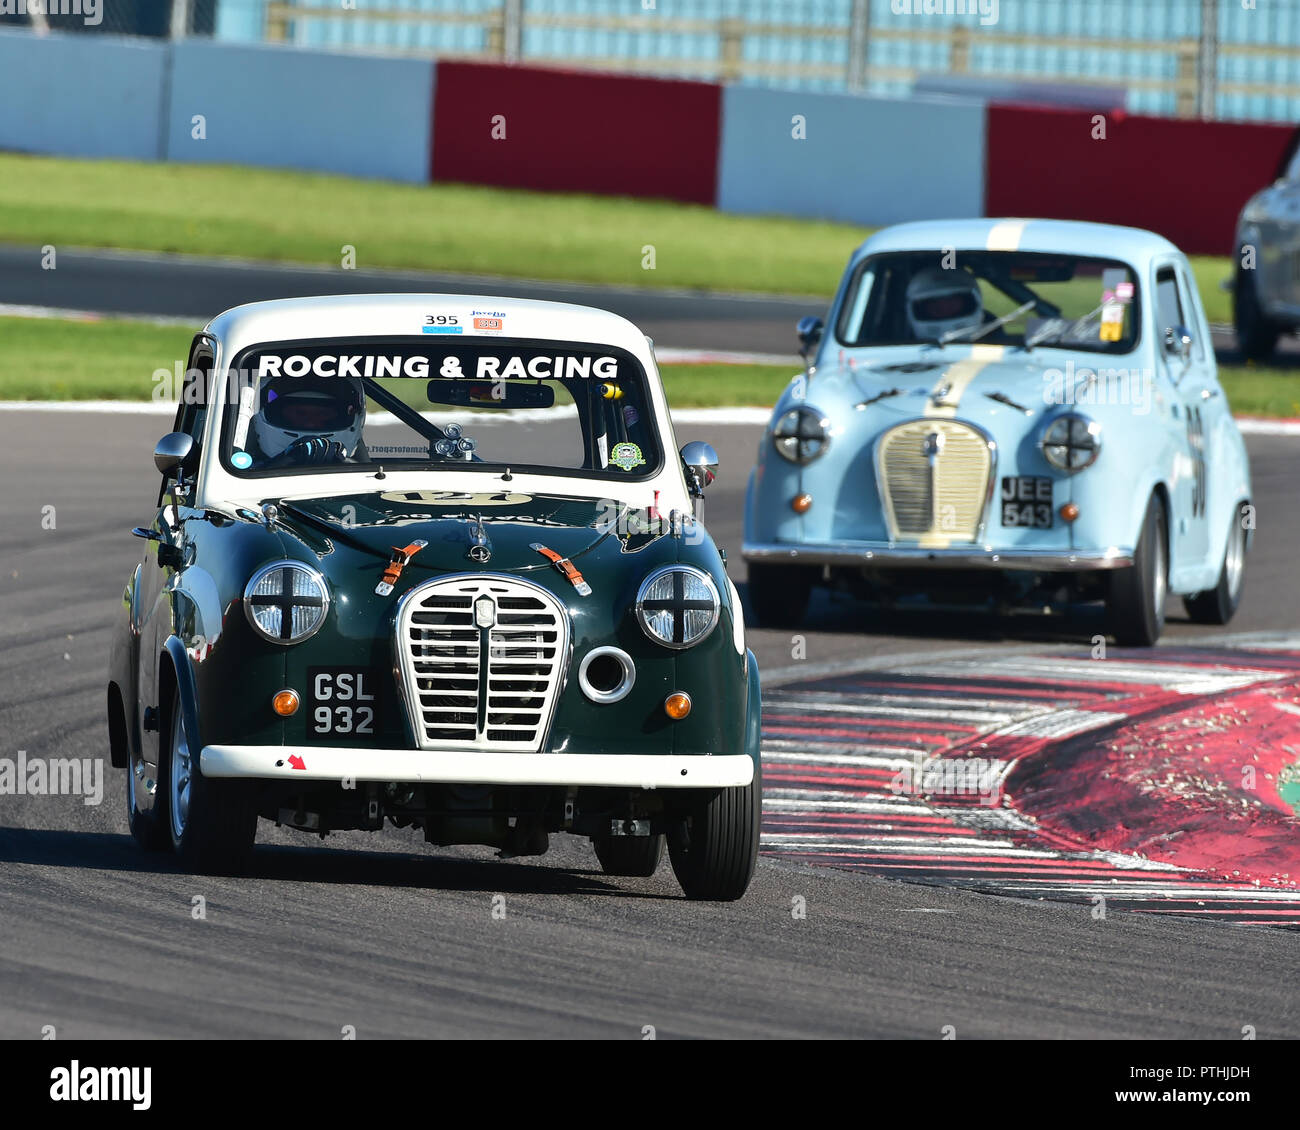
<point x="1256" y="334"/>
<point x="1219" y="604"/>
<point x="778" y="594"/>
<point x="213" y="823"/>
<point x="1136" y="602"/>
<point x="148" y="829"/>
<point x="637" y="856"/>
<point x="714" y="849"/>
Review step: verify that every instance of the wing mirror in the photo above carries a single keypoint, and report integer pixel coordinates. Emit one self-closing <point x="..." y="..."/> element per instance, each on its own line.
<point x="1178" y="342"/>
<point x="175" y="452"/>
<point x="701" y="463"/>
<point x="809" y="329"/>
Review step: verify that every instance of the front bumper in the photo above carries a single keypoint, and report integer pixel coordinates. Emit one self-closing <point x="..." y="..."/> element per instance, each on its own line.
<point x="886" y="556"/>
<point x="476" y="767"/>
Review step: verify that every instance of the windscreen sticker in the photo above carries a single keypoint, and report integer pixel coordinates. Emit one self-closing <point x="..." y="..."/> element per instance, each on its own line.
<point x="499" y="498"/>
<point x="241" y="460"/>
<point x="626" y="456"/>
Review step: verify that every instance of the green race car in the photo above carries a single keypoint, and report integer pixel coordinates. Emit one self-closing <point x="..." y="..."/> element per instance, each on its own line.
<point x="434" y="559"/>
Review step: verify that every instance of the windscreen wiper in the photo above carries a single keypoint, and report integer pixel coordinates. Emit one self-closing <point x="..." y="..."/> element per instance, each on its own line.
<point x="988" y="327"/>
<point x="1054" y="329"/>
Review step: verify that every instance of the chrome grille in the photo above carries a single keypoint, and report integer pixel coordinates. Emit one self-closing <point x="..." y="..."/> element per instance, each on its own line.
<point x="935" y="476"/>
<point x="481" y="681"/>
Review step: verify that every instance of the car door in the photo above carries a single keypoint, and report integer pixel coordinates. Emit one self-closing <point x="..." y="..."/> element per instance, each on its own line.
<point x="165" y="542"/>
<point x="1185" y="351"/>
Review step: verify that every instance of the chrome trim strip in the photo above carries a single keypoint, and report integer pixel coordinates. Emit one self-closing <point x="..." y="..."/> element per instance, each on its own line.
<point x="977" y="557"/>
<point x="618" y="693"/>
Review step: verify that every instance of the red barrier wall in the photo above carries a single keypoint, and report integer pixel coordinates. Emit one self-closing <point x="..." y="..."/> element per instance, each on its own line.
<point x="577" y="131"/>
<point x="1186" y="179"/>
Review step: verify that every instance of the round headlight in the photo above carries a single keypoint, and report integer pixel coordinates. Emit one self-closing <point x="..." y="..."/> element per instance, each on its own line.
<point x="286" y="601"/>
<point x="801" y="435"/>
<point x="677" y="606"/>
<point x="1071" y="442"/>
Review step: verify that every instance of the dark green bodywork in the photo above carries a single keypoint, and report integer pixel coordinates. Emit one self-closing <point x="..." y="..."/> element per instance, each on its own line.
<point x="184" y="619"/>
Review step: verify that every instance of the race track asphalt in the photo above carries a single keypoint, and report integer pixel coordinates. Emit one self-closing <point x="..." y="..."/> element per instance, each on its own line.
<point x="399" y="939"/>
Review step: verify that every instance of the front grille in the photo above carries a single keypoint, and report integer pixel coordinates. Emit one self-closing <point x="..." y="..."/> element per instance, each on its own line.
<point x="468" y="686"/>
<point x="929" y="494"/>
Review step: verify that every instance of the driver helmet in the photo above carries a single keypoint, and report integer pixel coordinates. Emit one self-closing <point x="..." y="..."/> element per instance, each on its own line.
<point x="940" y="301"/>
<point x="333" y="408"/>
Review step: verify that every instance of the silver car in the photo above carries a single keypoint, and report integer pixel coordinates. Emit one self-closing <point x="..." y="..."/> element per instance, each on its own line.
<point x="1266" y="288"/>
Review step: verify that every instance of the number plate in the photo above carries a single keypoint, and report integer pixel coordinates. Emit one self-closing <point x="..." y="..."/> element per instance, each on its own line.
<point x="1027" y="501"/>
<point x="341" y="700"/>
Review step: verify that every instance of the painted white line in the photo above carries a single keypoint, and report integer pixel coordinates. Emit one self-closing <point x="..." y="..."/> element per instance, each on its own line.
<point x="98" y="407"/>
<point x="666" y="356"/>
<point x="1059" y="724"/>
<point x="11" y="310"/>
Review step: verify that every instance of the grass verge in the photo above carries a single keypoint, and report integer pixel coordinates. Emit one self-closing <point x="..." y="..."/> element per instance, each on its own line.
<point x="303" y="217"/>
<point x="52" y="359"/>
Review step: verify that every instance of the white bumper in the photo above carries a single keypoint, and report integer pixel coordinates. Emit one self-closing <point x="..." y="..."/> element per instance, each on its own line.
<point x="316" y="763"/>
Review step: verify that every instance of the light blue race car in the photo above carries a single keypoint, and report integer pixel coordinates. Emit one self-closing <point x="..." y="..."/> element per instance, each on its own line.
<point x="1015" y="409"/>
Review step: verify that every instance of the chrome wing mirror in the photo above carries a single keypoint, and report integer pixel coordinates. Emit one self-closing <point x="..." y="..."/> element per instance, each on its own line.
<point x="1178" y="343"/>
<point x="701" y="464"/>
<point x="809" y="331"/>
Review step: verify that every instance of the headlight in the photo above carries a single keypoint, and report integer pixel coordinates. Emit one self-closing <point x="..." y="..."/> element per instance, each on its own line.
<point x="1071" y="442"/>
<point x="677" y="606"/>
<point x="286" y="601"/>
<point x="801" y="435"/>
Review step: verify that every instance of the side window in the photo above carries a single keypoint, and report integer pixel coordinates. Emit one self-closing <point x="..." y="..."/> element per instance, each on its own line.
<point x="1169" y="306"/>
<point x="1188" y="301"/>
<point x="192" y="411"/>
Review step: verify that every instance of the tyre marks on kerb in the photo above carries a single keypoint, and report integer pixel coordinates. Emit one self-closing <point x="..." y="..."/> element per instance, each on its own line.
<point x="901" y="773"/>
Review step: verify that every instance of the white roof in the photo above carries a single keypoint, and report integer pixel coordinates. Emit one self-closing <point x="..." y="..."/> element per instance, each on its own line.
<point x="403" y="315"/>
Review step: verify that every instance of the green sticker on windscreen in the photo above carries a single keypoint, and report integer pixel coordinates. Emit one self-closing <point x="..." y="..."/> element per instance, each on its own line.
<point x="626" y="456"/>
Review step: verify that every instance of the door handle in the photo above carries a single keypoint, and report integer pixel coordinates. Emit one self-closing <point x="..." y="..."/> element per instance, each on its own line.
<point x="1209" y="393"/>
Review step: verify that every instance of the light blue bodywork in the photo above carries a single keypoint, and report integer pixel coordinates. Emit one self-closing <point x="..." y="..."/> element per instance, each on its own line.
<point x="1145" y="448"/>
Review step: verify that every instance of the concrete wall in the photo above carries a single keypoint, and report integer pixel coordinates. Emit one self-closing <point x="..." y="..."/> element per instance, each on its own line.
<point x="282" y="107"/>
<point x="81" y="95"/>
<point x="865" y="160"/>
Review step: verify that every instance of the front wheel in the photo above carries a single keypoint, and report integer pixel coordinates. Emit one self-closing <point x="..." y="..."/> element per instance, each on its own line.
<point x="631" y="856"/>
<point x="148" y="829"/>
<point x="1219" y="604"/>
<point x="1136" y="603"/>
<point x="213" y="822"/>
<point x="714" y="849"/>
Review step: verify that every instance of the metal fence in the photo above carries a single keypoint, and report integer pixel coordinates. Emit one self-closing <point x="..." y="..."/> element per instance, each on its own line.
<point x="1213" y="58"/>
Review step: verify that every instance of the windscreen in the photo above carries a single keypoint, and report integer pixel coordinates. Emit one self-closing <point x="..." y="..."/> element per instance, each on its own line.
<point x="488" y="404"/>
<point x="998" y="297"/>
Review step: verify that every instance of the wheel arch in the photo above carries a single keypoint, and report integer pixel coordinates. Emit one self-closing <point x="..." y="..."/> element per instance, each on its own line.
<point x="119" y="743"/>
<point x="176" y="676"/>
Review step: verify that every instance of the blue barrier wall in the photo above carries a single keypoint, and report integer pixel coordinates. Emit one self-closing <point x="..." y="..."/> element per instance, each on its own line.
<point x="277" y="106"/>
<point x="81" y="95"/>
<point x="865" y="160"/>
